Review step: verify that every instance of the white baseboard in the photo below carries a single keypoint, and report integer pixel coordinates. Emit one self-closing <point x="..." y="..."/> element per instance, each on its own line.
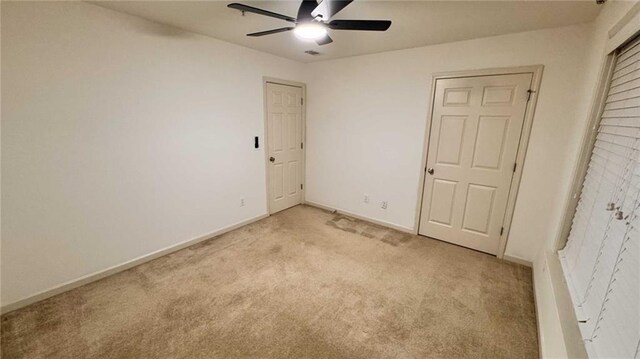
<point x="121" y="267"/>
<point x="537" y="312"/>
<point x="360" y="217"/>
<point x="321" y="206"/>
<point x="516" y="259"/>
<point x="506" y="257"/>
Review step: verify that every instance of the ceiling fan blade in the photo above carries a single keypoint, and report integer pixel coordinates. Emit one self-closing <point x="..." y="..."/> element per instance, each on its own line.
<point x="255" y="10"/>
<point x="328" y="8"/>
<point x="269" y="32"/>
<point x="325" y="40"/>
<point x="364" y="25"/>
<point x="305" y="9"/>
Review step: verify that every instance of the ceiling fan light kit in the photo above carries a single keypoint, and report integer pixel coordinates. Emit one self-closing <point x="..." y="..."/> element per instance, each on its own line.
<point x="312" y="22"/>
<point x="310" y="31"/>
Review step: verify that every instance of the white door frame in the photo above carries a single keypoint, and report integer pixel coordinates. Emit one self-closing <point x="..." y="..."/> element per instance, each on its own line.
<point x="536" y="71"/>
<point x="271" y="80"/>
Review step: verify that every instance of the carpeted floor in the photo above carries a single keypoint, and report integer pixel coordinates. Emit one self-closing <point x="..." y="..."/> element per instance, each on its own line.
<point x="303" y="283"/>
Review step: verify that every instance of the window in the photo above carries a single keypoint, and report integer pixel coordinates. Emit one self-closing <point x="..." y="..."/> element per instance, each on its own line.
<point x="601" y="260"/>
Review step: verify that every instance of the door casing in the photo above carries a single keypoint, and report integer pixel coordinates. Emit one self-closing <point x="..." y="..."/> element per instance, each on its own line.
<point x="536" y="70"/>
<point x="265" y="146"/>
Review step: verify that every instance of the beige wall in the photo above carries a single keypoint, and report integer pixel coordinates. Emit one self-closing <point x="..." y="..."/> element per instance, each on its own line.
<point x="367" y="118"/>
<point x="120" y="137"/>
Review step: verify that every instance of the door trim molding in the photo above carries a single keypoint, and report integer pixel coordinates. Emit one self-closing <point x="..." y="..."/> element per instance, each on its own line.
<point x="536" y="71"/>
<point x="265" y="143"/>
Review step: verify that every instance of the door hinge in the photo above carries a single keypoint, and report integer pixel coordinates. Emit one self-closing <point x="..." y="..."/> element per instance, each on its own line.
<point x="301" y="186"/>
<point x="529" y="92"/>
<point x="301" y="100"/>
<point x="301" y="145"/>
<point x="501" y="230"/>
<point x="515" y="165"/>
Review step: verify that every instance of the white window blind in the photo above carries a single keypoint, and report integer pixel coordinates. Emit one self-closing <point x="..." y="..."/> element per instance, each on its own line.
<point x="601" y="260"/>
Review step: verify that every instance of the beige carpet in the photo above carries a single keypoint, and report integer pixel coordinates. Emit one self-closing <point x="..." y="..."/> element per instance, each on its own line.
<point x="303" y="283"/>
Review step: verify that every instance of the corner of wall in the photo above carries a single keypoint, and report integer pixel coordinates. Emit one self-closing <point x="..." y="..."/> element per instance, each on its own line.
<point x="558" y="332"/>
<point x="550" y="337"/>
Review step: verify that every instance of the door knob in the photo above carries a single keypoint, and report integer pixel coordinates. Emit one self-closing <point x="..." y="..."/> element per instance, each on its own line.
<point x="430" y="170"/>
<point x="271" y="159"/>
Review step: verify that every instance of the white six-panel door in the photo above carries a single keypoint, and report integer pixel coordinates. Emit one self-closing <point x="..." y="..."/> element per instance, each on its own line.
<point x="475" y="133"/>
<point x="284" y="146"/>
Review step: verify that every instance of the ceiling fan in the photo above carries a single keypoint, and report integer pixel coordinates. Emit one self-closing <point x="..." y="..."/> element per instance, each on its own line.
<point x="313" y="20"/>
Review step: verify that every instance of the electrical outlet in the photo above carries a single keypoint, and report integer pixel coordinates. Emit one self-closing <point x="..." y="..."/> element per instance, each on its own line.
<point x="242" y="202"/>
<point x="383" y="205"/>
<point x="366" y="198"/>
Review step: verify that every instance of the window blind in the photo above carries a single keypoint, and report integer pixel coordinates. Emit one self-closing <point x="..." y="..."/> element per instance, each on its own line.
<point x="601" y="260"/>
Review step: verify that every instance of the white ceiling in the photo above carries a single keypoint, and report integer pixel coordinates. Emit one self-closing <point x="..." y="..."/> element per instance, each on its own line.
<point x="415" y="23"/>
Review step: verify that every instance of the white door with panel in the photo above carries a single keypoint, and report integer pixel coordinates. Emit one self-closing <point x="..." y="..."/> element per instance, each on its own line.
<point x="284" y="142"/>
<point x="476" y="125"/>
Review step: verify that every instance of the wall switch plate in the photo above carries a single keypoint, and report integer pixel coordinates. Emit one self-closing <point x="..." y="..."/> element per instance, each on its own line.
<point x="242" y="202"/>
<point x="383" y="205"/>
<point x="366" y="198"/>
